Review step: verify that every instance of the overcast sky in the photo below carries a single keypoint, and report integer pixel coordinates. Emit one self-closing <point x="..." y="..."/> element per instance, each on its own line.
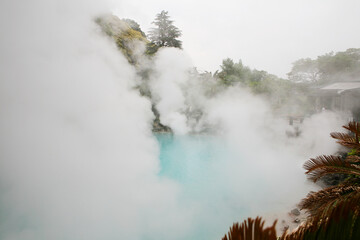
<point x="265" y="34"/>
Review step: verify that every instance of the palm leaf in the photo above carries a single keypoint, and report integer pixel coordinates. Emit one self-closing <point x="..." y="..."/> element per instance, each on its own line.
<point x="350" y="140"/>
<point x="340" y="220"/>
<point x="315" y="202"/>
<point x="345" y="139"/>
<point x="251" y="229"/>
<point x="334" y="211"/>
<point x="329" y="164"/>
<point x="352" y="159"/>
<point x="353" y="127"/>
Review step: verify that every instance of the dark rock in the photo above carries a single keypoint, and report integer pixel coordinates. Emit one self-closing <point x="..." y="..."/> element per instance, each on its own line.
<point x="157" y="125"/>
<point x="295" y="212"/>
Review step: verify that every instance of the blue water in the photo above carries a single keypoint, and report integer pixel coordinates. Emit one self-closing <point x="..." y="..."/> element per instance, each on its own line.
<point x="196" y="163"/>
<point x="187" y="158"/>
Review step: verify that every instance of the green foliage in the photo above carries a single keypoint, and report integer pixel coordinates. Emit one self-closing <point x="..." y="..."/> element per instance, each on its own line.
<point x="304" y="70"/>
<point x="352" y="152"/>
<point x="260" y="82"/>
<point x="151" y="48"/>
<point x="126" y="41"/>
<point x="327" y="68"/>
<point x="233" y="73"/>
<point x="284" y="96"/>
<point x="165" y="34"/>
<point x="134" y="25"/>
<point x="126" y="33"/>
<point x="340" y="65"/>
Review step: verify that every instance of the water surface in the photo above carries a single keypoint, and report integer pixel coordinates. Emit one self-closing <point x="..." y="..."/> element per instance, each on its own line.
<point x="196" y="163"/>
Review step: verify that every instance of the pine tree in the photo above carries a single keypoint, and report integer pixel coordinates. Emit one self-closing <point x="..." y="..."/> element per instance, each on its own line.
<point x="165" y="34"/>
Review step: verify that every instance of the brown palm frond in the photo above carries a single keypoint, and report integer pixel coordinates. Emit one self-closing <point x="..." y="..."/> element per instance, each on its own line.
<point x="315" y="202"/>
<point x="341" y="220"/>
<point x="352" y="159"/>
<point x="329" y="164"/>
<point x="334" y="211"/>
<point x="350" y="140"/>
<point x="251" y="229"/>
<point x="346" y="139"/>
<point x="353" y="127"/>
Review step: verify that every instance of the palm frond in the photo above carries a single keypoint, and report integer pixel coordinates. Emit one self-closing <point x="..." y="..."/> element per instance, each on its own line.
<point x="316" y="202"/>
<point x="341" y="220"/>
<point x="353" y="127"/>
<point x="345" y="139"/>
<point x="251" y="229"/>
<point x="329" y="164"/>
<point x="349" y="140"/>
<point x="334" y="211"/>
<point x="352" y="159"/>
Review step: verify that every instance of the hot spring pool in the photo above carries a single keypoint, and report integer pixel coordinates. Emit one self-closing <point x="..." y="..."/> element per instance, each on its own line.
<point x="196" y="163"/>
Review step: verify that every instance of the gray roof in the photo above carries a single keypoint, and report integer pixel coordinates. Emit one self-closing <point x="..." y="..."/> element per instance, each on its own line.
<point x="342" y="86"/>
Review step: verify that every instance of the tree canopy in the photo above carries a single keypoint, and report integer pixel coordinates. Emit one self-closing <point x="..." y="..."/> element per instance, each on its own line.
<point x="327" y="68"/>
<point x="165" y="34"/>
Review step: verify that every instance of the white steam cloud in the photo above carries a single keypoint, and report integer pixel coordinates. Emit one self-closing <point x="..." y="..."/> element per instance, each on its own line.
<point x="77" y="156"/>
<point x="78" y="159"/>
<point x="168" y="87"/>
<point x="262" y="171"/>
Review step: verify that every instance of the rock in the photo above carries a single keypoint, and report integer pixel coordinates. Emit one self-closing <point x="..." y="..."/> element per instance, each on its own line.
<point x="295" y="212"/>
<point x="297" y="220"/>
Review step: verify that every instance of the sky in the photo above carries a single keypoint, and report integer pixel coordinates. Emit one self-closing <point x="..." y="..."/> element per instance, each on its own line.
<point x="265" y="34"/>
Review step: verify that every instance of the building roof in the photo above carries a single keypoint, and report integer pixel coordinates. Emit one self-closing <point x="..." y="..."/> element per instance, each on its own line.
<point x="342" y="86"/>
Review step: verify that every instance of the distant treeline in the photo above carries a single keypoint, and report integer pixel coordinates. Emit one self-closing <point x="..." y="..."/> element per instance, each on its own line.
<point x="287" y="96"/>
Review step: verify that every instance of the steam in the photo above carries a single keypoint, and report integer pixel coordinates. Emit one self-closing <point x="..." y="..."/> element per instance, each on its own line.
<point x="168" y="87"/>
<point x="261" y="172"/>
<point x="78" y="159"/>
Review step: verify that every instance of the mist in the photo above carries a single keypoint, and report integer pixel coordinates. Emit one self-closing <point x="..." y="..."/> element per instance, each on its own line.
<point x="260" y="172"/>
<point x="78" y="159"/>
<point x="168" y="87"/>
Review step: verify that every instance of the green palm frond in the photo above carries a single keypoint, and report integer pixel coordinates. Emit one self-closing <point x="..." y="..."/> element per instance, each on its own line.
<point x="329" y="164"/>
<point x="251" y="229"/>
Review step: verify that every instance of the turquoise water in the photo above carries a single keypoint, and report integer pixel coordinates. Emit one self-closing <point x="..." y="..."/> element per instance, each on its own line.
<point x="188" y="158"/>
<point x="196" y="163"/>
